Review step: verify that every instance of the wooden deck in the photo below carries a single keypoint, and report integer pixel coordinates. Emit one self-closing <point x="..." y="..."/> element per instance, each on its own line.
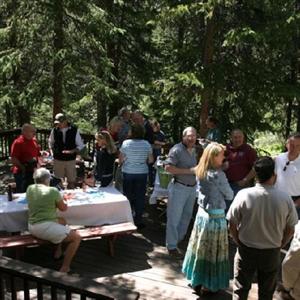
<point x="141" y="263"/>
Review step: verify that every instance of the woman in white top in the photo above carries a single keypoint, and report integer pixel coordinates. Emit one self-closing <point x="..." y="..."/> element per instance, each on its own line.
<point x="135" y="154"/>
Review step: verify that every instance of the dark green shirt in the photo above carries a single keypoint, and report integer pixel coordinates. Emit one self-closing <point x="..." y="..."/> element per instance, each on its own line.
<point x="214" y="135"/>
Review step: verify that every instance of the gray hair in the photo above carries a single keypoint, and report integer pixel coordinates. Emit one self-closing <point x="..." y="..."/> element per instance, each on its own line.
<point x="186" y="130"/>
<point x="41" y="175"/>
<point x="123" y="110"/>
<point x="295" y="135"/>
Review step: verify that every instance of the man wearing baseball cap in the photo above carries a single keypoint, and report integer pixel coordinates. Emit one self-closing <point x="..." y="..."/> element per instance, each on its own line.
<point x="65" y="142"/>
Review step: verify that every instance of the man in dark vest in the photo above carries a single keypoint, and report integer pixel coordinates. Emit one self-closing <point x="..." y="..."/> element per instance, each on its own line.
<point x="65" y="142"/>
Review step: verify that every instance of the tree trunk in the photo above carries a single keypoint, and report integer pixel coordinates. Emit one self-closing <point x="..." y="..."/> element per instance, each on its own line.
<point x="177" y="127"/>
<point x="226" y="125"/>
<point x="208" y="52"/>
<point x="295" y="76"/>
<point x="101" y="111"/>
<point x="58" y="44"/>
<point x="297" y="66"/>
<point x="8" y="115"/>
<point x="289" y="109"/>
<point x="298" y="116"/>
<point x="23" y="115"/>
<point x="114" y="54"/>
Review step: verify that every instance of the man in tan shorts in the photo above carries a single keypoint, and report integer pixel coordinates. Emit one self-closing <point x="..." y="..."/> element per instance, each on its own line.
<point x="65" y="142"/>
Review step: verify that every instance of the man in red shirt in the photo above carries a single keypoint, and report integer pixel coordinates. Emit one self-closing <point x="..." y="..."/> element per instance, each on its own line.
<point x="24" y="156"/>
<point x="240" y="160"/>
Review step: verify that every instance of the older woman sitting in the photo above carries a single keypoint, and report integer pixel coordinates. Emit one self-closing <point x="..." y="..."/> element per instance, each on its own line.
<point x="44" y="223"/>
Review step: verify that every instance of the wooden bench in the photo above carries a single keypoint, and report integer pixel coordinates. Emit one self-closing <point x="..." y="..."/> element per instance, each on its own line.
<point x="110" y="231"/>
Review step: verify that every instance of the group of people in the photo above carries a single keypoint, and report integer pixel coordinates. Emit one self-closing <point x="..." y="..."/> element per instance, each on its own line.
<point x="261" y="218"/>
<point x="65" y="143"/>
<point x="130" y="137"/>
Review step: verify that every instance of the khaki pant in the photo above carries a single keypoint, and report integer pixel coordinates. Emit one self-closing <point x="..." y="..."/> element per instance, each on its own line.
<point x="63" y="169"/>
<point x="291" y="266"/>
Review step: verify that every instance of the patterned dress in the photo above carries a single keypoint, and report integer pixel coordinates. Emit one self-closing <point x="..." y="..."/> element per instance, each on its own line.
<point x="206" y="261"/>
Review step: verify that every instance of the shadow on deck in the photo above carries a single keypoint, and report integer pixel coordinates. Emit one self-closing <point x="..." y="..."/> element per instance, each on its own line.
<point x="141" y="263"/>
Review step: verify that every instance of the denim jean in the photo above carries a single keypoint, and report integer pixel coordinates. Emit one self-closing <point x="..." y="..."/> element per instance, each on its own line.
<point x="151" y="174"/>
<point x="134" y="188"/>
<point x="179" y="212"/>
<point x="235" y="188"/>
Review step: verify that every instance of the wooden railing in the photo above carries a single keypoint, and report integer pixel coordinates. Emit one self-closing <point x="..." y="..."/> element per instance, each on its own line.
<point x="7" y="137"/>
<point x="17" y="278"/>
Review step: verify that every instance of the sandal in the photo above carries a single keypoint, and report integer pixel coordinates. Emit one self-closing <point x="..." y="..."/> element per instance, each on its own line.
<point x="197" y="289"/>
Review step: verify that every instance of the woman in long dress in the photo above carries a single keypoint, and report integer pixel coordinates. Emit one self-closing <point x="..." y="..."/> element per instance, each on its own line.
<point x="206" y="262"/>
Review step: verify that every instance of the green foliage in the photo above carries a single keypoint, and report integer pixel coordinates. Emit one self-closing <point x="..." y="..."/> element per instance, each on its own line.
<point x="150" y="55"/>
<point x="268" y="143"/>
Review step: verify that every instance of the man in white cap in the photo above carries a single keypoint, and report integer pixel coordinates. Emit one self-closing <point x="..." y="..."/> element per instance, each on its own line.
<point x="65" y="142"/>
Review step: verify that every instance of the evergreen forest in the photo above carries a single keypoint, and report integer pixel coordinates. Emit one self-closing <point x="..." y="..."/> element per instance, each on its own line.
<point x="176" y="60"/>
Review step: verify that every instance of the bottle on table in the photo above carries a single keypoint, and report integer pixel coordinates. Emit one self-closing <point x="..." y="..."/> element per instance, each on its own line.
<point x="84" y="186"/>
<point x="65" y="183"/>
<point x="98" y="184"/>
<point x="9" y="193"/>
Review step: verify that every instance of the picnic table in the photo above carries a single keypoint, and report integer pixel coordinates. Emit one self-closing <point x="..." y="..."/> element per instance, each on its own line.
<point x="93" y="207"/>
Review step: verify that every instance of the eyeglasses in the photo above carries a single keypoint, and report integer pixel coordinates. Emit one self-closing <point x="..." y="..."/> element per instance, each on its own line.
<point x="286" y="165"/>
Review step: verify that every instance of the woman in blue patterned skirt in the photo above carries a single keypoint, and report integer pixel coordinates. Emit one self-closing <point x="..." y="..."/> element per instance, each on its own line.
<point x="206" y="262"/>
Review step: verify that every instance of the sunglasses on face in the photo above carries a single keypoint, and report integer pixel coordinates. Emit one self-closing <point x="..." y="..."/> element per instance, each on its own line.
<point x="286" y="165"/>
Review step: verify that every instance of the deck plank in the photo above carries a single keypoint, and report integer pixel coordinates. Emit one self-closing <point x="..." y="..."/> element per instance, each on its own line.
<point x="141" y="263"/>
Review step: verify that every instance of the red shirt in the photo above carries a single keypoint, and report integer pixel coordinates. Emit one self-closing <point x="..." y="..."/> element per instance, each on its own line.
<point x="240" y="161"/>
<point x="24" y="150"/>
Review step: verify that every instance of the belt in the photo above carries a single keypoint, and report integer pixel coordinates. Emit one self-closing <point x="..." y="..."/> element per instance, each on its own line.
<point x="107" y="175"/>
<point x="189" y="185"/>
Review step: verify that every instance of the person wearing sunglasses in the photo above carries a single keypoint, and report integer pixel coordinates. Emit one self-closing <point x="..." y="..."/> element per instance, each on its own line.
<point x="261" y="222"/>
<point x="288" y="169"/>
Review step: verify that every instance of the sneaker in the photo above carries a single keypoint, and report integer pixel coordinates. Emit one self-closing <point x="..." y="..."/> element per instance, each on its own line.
<point x="285" y="295"/>
<point x="175" y="253"/>
<point x="197" y="289"/>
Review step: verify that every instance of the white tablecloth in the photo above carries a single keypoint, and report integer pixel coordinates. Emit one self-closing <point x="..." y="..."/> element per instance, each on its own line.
<point x="159" y="192"/>
<point x="108" y="206"/>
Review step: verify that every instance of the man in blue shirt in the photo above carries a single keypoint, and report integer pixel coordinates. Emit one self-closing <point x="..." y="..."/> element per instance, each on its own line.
<point x="182" y="190"/>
